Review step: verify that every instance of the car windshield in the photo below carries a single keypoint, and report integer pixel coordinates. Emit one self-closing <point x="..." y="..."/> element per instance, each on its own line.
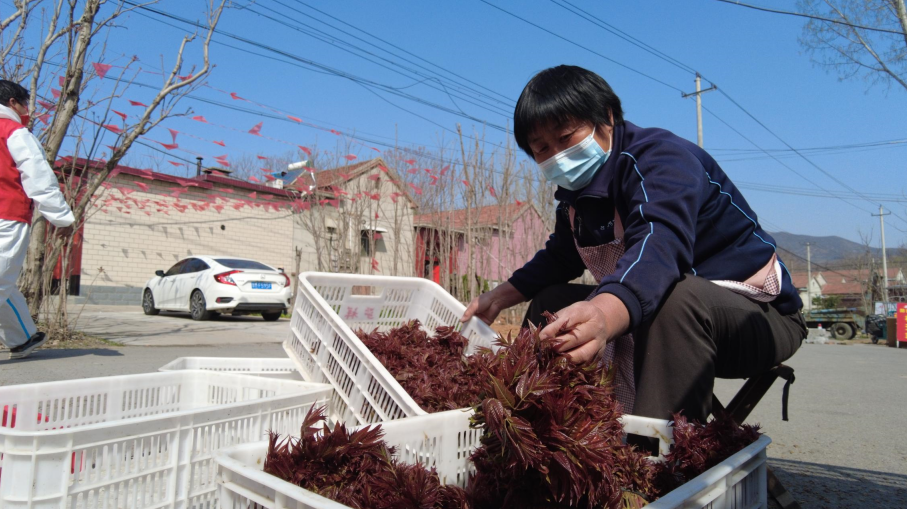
<point x="232" y="263"/>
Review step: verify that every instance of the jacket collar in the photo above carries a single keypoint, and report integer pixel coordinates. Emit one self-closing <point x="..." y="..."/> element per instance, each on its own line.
<point x="9" y="113"/>
<point x="601" y="182"/>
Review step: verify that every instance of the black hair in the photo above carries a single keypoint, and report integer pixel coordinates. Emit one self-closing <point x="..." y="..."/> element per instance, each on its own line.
<point x="563" y="93"/>
<point x="10" y="90"/>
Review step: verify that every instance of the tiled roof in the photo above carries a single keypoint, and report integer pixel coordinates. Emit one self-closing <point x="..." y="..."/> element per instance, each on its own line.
<point x="483" y="216"/>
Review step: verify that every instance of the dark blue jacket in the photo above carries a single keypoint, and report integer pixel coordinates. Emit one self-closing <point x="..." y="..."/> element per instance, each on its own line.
<point x="681" y="215"/>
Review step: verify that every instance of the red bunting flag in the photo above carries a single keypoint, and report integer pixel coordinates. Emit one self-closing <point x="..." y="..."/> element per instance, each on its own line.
<point x="227" y="190"/>
<point x="173" y="133"/>
<point x="56" y="93"/>
<point x="174" y="163"/>
<point x="374" y="177"/>
<point x="434" y="180"/>
<point x="334" y="203"/>
<point x="112" y="128"/>
<point x="307" y="150"/>
<point x="375" y="265"/>
<point x="263" y="158"/>
<point x="412" y="171"/>
<point x="122" y="115"/>
<point x="137" y="103"/>
<point x="200" y="119"/>
<point x="218" y="208"/>
<point x="221" y="143"/>
<point x="61" y="80"/>
<point x="416" y="188"/>
<point x="270" y="178"/>
<point x="376" y="215"/>
<point x="254" y="179"/>
<point x="410" y="162"/>
<point x="334" y="131"/>
<point x="148" y="174"/>
<point x="394" y="197"/>
<point x="236" y="97"/>
<point x="465" y="182"/>
<point x="256" y="129"/>
<point x="101" y="69"/>
<point x="375" y="196"/>
<point x="143" y="186"/>
<point x="344" y="176"/>
<point x="253" y="195"/>
<point x="185" y="78"/>
<point x="519" y="203"/>
<point x="44" y="118"/>
<point x="491" y="190"/>
<point x="294" y="119"/>
<point x="168" y="146"/>
<point x="349" y="157"/>
<point x="266" y="170"/>
<point x="376" y="150"/>
<point x="47" y="106"/>
<point x="382" y="168"/>
<point x="444" y="170"/>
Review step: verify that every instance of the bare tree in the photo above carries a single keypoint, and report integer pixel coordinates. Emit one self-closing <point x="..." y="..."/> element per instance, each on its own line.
<point x="70" y="123"/>
<point x="865" y="38"/>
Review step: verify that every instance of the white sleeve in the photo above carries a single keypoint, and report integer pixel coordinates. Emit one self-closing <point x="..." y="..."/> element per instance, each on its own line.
<point x="38" y="179"/>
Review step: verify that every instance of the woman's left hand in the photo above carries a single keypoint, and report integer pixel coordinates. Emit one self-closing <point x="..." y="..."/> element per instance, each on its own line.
<point x="588" y="325"/>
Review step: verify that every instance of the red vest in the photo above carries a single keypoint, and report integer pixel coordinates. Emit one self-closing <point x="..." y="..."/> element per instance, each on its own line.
<point x="15" y="205"/>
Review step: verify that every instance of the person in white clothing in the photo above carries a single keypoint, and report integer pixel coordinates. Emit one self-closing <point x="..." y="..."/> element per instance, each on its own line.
<point x="26" y="182"/>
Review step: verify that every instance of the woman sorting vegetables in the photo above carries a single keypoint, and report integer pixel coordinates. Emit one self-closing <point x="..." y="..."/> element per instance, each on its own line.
<point x="690" y="286"/>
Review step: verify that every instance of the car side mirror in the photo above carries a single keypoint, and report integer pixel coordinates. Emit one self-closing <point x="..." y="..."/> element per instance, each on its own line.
<point x="159" y="273"/>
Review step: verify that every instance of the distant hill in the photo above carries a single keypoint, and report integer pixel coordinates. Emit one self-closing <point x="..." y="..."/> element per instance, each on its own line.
<point x="825" y="250"/>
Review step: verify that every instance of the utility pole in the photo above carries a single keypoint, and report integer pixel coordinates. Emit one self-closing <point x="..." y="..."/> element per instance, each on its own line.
<point x="698" y="93"/>
<point x="809" y="282"/>
<point x="882" y="215"/>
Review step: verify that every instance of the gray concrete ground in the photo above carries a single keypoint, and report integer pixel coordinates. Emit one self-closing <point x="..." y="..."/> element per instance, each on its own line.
<point x="843" y="446"/>
<point x="130" y="326"/>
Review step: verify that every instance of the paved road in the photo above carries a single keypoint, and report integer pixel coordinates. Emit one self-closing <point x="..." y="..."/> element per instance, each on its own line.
<point x="843" y="446"/>
<point x="129" y="326"/>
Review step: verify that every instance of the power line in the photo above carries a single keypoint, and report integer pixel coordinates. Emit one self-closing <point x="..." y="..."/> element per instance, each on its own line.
<point x="500" y="98"/>
<point x="812" y="16"/>
<point x="349" y="48"/>
<point x="623" y="35"/>
<point x="802" y="156"/>
<point x="313" y="65"/>
<point x="609" y="59"/>
<point x="795" y="191"/>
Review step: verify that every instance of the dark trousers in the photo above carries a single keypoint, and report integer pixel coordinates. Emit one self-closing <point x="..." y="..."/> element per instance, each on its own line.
<point x="700" y="332"/>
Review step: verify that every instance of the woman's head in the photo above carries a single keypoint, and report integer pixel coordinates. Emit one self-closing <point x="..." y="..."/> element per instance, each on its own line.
<point x="559" y="107"/>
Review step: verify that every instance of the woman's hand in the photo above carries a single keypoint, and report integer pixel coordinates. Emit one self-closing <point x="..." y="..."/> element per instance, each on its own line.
<point x="589" y="325"/>
<point x="487" y="306"/>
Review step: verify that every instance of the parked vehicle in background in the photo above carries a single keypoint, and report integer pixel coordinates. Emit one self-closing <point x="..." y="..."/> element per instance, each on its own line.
<point x="841" y="323"/>
<point x="209" y="285"/>
<point x="876" y="327"/>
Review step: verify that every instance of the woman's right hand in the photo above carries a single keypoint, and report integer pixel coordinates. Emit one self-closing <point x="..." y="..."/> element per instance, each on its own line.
<point x="487" y="306"/>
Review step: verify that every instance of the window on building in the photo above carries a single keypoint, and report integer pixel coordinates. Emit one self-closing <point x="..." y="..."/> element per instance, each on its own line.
<point x="365" y="237"/>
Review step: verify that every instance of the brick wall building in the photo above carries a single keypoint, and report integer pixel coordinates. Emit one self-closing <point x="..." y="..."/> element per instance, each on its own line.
<point x="144" y="221"/>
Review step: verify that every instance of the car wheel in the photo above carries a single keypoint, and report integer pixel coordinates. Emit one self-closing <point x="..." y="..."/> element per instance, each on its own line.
<point x="271" y="316"/>
<point x="148" y="303"/>
<point x="198" y="307"/>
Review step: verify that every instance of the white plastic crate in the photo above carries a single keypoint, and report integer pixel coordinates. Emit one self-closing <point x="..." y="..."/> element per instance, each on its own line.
<point x="329" y="307"/>
<point x="444" y="440"/>
<point x="136" y="441"/>
<point x="282" y="368"/>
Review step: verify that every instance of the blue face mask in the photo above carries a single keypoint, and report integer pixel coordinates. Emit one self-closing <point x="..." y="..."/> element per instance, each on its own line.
<point x="574" y="167"/>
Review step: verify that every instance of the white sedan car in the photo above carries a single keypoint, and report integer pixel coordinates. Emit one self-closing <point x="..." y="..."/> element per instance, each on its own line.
<point x="209" y="285"/>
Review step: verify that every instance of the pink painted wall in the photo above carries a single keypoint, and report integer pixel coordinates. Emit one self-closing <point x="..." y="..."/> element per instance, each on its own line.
<point x="519" y="245"/>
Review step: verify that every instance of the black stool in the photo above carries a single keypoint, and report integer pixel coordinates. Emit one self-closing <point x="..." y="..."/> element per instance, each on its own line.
<point x="743" y="403"/>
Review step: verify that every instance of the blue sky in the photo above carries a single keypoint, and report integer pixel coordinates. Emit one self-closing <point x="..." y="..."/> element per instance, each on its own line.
<point x="754" y="57"/>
